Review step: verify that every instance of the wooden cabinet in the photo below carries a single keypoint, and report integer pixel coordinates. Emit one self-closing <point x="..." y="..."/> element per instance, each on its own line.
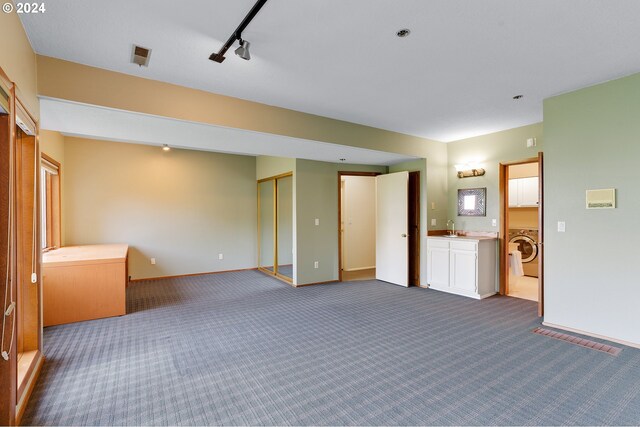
<point x="464" y="266"/>
<point x="523" y="192"/>
<point x="84" y="283"/>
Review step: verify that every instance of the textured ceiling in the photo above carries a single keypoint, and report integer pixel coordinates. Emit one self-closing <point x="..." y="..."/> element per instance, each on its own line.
<point x="453" y="77"/>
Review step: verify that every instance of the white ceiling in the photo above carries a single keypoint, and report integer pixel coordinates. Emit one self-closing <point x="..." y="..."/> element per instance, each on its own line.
<point x="453" y="77"/>
<point x="89" y="121"/>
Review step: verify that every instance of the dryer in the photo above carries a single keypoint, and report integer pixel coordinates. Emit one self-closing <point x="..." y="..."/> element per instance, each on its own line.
<point x="527" y="241"/>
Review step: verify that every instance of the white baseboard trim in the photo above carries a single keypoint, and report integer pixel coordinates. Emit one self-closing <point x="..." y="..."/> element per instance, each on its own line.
<point x="359" y="268"/>
<point x="590" y="334"/>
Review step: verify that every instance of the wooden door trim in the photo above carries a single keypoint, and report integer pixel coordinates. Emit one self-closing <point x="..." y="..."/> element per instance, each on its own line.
<point x="340" y="175"/>
<point x="504" y="224"/>
<point x="415" y="260"/>
<point x="540" y="235"/>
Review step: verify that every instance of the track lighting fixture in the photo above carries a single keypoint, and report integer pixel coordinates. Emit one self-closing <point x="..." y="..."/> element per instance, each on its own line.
<point x="243" y="50"/>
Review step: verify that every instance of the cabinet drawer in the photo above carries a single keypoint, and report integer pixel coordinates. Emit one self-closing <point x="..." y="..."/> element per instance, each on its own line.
<point x="438" y="243"/>
<point x="464" y="246"/>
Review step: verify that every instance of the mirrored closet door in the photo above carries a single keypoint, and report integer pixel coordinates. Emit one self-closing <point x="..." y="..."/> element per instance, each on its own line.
<point x="275" y="226"/>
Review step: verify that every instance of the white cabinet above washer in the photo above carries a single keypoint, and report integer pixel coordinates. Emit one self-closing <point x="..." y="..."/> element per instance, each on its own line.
<point x="523" y="192"/>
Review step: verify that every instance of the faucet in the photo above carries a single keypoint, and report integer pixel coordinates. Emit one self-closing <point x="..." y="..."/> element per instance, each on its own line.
<point x="453" y="226"/>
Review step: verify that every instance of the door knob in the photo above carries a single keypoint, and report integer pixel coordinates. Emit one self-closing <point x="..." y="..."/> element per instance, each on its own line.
<point x="403" y="235"/>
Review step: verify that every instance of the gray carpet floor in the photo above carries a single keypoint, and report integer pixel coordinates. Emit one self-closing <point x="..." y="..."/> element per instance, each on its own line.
<point x="244" y="348"/>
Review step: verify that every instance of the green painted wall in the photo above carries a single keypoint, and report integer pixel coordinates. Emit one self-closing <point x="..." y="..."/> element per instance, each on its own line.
<point x="592" y="141"/>
<point x="489" y="150"/>
<point x="316" y="188"/>
<point x="268" y="166"/>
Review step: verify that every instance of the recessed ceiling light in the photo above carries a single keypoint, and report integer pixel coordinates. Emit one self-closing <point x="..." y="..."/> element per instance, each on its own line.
<point x="403" y="33"/>
<point x="518" y="97"/>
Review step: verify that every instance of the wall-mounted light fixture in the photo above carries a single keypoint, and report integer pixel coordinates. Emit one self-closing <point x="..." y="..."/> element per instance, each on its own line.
<point x="469" y="170"/>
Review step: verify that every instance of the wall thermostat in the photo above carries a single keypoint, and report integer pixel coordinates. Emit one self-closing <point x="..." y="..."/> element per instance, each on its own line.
<point x="601" y="199"/>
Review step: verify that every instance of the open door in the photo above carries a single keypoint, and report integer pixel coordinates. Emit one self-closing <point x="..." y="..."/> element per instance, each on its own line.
<point x="392" y="248"/>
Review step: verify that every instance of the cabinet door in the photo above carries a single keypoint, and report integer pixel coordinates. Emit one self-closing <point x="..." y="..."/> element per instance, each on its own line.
<point x="464" y="270"/>
<point x="528" y="191"/>
<point x="513" y="192"/>
<point x="438" y="267"/>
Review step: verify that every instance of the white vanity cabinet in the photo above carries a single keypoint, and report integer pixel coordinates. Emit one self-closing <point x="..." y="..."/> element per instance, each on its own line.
<point x="462" y="265"/>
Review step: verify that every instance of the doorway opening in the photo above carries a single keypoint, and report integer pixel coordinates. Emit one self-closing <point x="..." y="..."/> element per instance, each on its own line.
<point x="357" y="220"/>
<point x="357" y="213"/>
<point x="522" y="226"/>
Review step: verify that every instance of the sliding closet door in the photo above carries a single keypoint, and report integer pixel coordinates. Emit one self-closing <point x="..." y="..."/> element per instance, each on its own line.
<point x="284" y="233"/>
<point x="266" y="226"/>
<point x="28" y="250"/>
<point x="275" y="226"/>
<point x="7" y="367"/>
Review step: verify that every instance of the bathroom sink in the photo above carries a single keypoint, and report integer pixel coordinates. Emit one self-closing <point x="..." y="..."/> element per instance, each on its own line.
<point x="451" y="235"/>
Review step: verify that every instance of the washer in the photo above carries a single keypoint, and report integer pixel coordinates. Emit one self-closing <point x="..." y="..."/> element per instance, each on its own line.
<point x="527" y="241"/>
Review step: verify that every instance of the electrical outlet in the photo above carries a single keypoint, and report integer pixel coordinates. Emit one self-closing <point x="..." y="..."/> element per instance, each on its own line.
<point x="153" y="261"/>
<point x="220" y="256"/>
<point x="433" y="222"/>
<point x="316" y="264"/>
<point x="494" y="222"/>
<point x="317" y="221"/>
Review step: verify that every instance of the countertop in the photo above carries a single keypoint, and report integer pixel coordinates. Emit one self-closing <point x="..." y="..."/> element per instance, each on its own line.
<point x="87" y="254"/>
<point x="453" y="239"/>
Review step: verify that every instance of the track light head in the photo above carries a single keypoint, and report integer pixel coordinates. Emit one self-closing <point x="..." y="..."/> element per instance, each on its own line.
<point x="243" y="50"/>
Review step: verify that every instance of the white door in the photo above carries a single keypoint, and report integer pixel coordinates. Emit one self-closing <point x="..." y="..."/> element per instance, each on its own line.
<point x="392" y="244"/>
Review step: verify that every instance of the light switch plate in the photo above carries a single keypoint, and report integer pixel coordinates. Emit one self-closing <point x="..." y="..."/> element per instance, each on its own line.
<point x="317" y="221"/>
<point x="561" y="227"/>
<point x="494" y="222"/>
<point x="433" y="222"/>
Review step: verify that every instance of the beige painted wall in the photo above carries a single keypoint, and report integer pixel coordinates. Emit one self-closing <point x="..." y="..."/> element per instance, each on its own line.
<point x="81" y="83"/>
<point x="18" y="60"/>
<point x="359" y="222"/>
<point x="525" y="170"/>
<point x="52" y="144"/>
<point x="489" y="150"/>
<point x="182" y="207"/>
<point x="523" y="218"/>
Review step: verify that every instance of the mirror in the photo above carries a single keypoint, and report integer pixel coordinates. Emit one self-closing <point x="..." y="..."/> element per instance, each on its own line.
<point x="285" y="226"/>
<point x="266" y="224"/>
<point x="472" y="202"/>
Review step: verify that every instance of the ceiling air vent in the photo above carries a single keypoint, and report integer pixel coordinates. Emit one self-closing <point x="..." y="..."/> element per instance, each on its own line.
<point x="141" y="56"/>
